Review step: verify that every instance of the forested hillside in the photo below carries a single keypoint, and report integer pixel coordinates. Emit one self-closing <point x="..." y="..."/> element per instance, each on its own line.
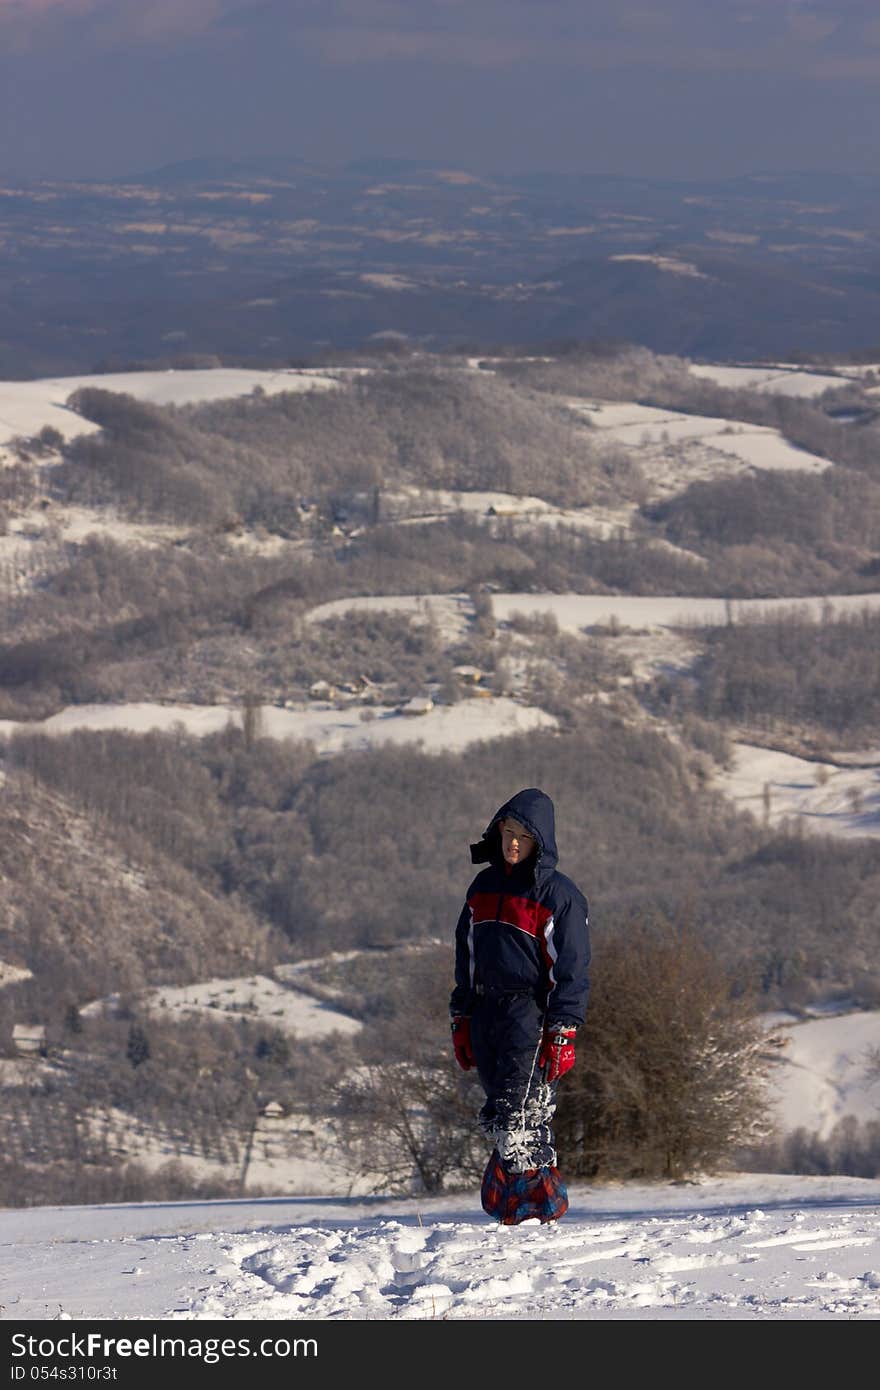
<point x="356" y="554"/>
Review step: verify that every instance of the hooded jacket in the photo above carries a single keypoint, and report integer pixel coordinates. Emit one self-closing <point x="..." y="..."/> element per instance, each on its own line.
<point x="525" y="931"/>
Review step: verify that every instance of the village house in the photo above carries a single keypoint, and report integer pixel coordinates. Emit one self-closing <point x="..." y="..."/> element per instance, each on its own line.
<point x="419" y="704"/>
<point x="29" y="1039"/>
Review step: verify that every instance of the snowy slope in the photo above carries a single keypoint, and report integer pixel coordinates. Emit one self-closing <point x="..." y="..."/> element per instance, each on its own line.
<point x="735" y="1247"/>
<point x="285" y="1008"/>
<point x="771" y="380"/>
<point x="824" y="1073"/>
<point x="26" y="406"/>
<point x="575" y="612"/>
<point x="824" y="798"/>
<point x="640" y="427"/>
<point x="330" y="730"/>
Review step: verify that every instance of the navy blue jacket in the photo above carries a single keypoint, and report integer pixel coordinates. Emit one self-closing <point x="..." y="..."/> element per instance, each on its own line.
<point x="526" y="930"/>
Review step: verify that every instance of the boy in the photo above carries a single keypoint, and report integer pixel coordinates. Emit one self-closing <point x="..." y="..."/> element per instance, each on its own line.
<point x="522" y="953"/>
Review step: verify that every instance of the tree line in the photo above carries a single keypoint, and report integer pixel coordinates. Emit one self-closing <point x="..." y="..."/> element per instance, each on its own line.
<point x="787" y="669"/>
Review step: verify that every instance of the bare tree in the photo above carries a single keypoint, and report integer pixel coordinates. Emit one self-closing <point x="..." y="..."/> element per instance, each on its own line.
<point x="409" y="1125"/>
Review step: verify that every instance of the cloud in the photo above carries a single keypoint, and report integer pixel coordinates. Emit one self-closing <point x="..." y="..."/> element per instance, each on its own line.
<point x="35" y="7"/>
<point x="816" y="38"/>
<point x="34" y="24"/>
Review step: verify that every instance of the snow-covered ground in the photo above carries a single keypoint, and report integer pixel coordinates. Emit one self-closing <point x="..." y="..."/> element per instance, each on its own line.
<point x="823" y="797"/>
<point x="33" y="540"/>
<point x="255" y="996"/>
<point x="773" y="379"/>
<point x="28" y="531"/>
<point x="827" y="1070"/>
<point x="672" y="265"/>
<point x="451" y="613"/>
<point x="27" y="406"/>
<point x="736" y="1247"/>
<point x="12" y="974"/>
<point x="672" y="450"/>
<point x="642" y="427"/>
<point x="442" y="729"/>
<point x="733" y="1247"/>
<point x="858" y="371"/>
<point x="826" y="797"/>
<point x="415" y="506"/>
<point x="574" y="612"/>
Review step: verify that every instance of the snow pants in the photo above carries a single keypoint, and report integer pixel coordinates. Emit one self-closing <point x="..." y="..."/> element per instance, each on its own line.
<point x="506" y="1033"/>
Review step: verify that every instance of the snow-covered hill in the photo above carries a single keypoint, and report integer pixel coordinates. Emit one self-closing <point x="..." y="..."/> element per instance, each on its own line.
<point x="694" y="446"/>
<point x="27" y="406"/>
<point x="745" y="1247"/>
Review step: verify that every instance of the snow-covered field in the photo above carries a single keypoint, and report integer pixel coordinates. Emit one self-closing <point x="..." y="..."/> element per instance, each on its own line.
<point x="26" y="533"/>
<point x="642" y="427"/>
<point x="823" y="797"/>
<point x="27" y="406"/>
<point x="416" y="506"/>
<point x="827" y="1070"/>
<point x="773" y="379"/>
<point x="256" y="996"/>
<point x="734" y="1247"/>
<point x="451" y="613"/>
<point x="444" y="728"/>
<point x="671" y="265"/>
<point x="575" y="612"/>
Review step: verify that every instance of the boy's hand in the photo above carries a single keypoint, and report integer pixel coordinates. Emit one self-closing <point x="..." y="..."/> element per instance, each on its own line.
<point x="461" y="1041"/>
<point x="557" y="1051"/>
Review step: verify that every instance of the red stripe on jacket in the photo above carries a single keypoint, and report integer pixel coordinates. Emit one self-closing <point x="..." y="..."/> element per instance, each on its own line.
<point x="523" y="913"/>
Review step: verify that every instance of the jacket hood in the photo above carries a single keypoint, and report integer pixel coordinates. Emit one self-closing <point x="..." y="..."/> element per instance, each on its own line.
<point x="534" y="810"/>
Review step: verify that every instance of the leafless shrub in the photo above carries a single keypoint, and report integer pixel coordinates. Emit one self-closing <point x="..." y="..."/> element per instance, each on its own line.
<point x="671" y="1062"/>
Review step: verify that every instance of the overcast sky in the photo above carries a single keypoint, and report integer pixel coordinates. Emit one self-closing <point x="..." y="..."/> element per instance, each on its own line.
<point x="681" y="88"/>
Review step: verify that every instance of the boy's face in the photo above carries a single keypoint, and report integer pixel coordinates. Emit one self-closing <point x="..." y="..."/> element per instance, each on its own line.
<point x="516" y="842"/>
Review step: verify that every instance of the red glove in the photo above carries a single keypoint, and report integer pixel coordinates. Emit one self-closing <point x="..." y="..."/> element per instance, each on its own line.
<point x="461" y="1041"/>
<point x="557" y="1051"/>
